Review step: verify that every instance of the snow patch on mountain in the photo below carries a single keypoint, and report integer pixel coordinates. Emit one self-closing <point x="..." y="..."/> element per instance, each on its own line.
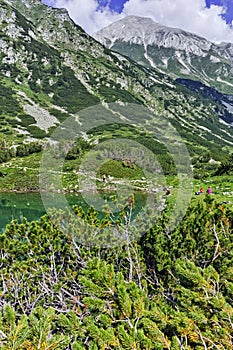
<point x="224" y="81"/>
<point x="229" y="107"/>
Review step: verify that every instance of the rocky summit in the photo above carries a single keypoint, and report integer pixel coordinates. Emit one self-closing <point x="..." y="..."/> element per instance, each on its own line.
<point x="171" y="50"/>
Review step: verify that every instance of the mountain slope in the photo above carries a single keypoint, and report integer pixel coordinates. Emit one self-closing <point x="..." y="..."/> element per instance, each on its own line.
<point x="50" y="69"/>
<point x="173" y="51"/>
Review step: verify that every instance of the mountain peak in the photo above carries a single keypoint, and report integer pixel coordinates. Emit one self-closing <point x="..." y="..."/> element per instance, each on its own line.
<point x="171" y="50"/>
<point x="145" y="31"/>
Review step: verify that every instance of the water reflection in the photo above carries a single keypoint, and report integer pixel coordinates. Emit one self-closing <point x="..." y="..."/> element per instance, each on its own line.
<point x="30" y="205"/>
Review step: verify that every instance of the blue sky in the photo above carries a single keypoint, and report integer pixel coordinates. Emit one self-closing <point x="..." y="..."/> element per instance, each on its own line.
<point x="115" y="5"/>
<point x="208" y="18"/>
<point x="118" y="5"/>
<point x="228" y="8"/>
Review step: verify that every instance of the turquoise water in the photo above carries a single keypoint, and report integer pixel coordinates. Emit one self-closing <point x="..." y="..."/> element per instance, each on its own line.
<point x="29" y="205"/>
<point x="18" y="205"/>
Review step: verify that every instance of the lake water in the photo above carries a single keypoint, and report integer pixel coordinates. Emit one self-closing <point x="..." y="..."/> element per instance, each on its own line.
<point x="30" y="205"/>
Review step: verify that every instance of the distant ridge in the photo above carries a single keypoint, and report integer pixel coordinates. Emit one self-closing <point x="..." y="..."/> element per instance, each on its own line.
<point x="171" y="50"/>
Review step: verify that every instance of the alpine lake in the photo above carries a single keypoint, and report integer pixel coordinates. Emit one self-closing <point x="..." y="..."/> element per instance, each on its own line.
<point x="16" y="206"/>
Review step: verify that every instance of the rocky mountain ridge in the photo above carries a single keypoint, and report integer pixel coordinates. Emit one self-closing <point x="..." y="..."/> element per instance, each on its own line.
<point x="51" y="69"/>
<point x="172" y="51"/>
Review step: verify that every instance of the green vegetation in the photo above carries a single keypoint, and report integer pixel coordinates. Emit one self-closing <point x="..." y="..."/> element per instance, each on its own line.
<point x="156" y="293"/>
<point x="70" y="93"/>
<point x="120" y="170"/>
<point x="19" y="166"/>
<point x="226" y="167"/>
<point x="60" y="289"/>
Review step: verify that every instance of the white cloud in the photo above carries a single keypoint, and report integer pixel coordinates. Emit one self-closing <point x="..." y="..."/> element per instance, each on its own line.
<point x="190" y="15"/>
<point x="86" y="14"/>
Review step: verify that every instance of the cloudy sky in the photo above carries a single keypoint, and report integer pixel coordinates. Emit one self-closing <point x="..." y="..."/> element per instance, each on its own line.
<point x="211" y="19"/>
